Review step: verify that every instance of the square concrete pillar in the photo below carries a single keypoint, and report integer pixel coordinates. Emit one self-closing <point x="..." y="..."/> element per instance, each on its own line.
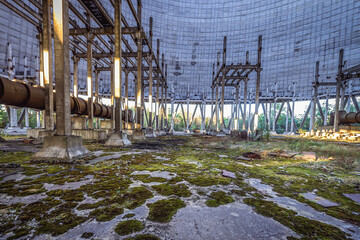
<point x="61" y="149"/>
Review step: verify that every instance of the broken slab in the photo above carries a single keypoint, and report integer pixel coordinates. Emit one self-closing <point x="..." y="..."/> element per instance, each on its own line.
<point x="353" y="196"/>
<point x="228" y="174"/>
<point x="61" y="149"/>
<point x="319" y="200"/>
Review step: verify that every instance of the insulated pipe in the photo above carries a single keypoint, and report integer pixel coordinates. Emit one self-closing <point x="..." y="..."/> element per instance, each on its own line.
<point x="346" y="118"/>
<point x="20" y="94"/>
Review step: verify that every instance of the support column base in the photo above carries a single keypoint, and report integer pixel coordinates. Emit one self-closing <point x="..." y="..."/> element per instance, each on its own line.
<point x="220" y="133"/>
<point x="138" y="135"/>
<point x="61" y="149"/>
<point x="150" y="133"/>
<point x="118" y="140"/>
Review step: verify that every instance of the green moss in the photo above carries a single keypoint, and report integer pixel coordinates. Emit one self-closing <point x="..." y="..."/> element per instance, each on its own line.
<point x="308" y="228"/>
<point x="57" y="223"/>
<point x="175" y="180"/>
<point x="107" y="213"/>
<point x="19" y="232"/>
<point x="238" y="192"/>
<point x="87" y="235"/>
<point x="144" y="237"/>
<point x="129" y="215"/>
<point x="163" y="210"/>
<point x="35" y="210"/>
<point x="147" y="179"/>
<point x="72" y="195"/>
<point x="180" y="190"/>
<point x="208" y="180"/>
<point x="128" y="227"/>
<point x="219" y="198"/>
<point x="89" y="205"/>
<point x="136" y="197"/>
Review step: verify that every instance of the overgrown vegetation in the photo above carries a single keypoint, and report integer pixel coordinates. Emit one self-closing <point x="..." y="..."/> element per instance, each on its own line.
<point x="195" y="164"/>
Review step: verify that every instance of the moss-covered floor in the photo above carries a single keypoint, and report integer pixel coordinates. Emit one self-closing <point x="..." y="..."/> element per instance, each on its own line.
<point x="172" y="187"/>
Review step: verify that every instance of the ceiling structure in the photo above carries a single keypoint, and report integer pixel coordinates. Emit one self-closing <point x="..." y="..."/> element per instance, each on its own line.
<point x="295" y="33"/>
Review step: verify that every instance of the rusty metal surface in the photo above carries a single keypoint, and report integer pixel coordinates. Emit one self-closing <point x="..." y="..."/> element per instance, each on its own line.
<point x="346" y="118"/>
<point x="19" y="94"/>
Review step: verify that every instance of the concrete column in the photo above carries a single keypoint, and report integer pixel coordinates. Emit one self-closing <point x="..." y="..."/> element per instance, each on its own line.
<point x="338" y="86"/>
<point x="342" y="96"/>
<point x="274" y="116"/>
<point x="222" y="127"/>
<point x="48" y="65"/>
<point x="245" y="102"/>
<point x="143" y="120"/>
<point x="315" y="91"/>
<point x="11" y="73"/>
<point x="139" y="71"/>
<point x="90" y="79"/>
<point x="217" y="105"/>
<point x="157" y="104"/>
<point x="172" y="110"/>
<point x="211" y="123"/>
<point x="293" y="109"/>
<point x="188" y="109"/>
<point x="112" y="73"/>
<point x="270" y="109"/>
<point x="287" y="118"/>
<point x="326" y="111"/>
<point x="37" y="72"/>
<point x="236" y="121"/>
<point x="126" y="96"/>
<point x="117" y="68"/>
<point x="162" y="94"/>
<point x="204" y="109"/>
<point x="257" y="92"/>
<point x="151" y="58"/>
<point x="350" y="96"/>
<point x="26" y="111"/>
<point x="97" y="97"/>
<point x="62" y="66"/>
<point x="76" y="75"/>
<point x="249" y="118"/>
<point x="165" y="109"/>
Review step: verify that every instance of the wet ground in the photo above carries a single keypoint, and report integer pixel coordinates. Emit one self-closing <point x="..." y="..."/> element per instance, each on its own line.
<point x="184" y="187"/>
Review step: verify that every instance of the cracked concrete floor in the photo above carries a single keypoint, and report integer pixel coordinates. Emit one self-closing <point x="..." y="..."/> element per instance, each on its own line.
<point x="172" y="187"/>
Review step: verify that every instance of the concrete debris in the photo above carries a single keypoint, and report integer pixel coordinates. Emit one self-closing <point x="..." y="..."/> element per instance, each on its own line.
<point x="319" y="200"/>
<point x="228" y="174"/>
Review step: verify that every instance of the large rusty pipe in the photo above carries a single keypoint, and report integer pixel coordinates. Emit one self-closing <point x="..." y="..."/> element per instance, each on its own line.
<point x="20" y="94"/>
<point x="346" y="118"/>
